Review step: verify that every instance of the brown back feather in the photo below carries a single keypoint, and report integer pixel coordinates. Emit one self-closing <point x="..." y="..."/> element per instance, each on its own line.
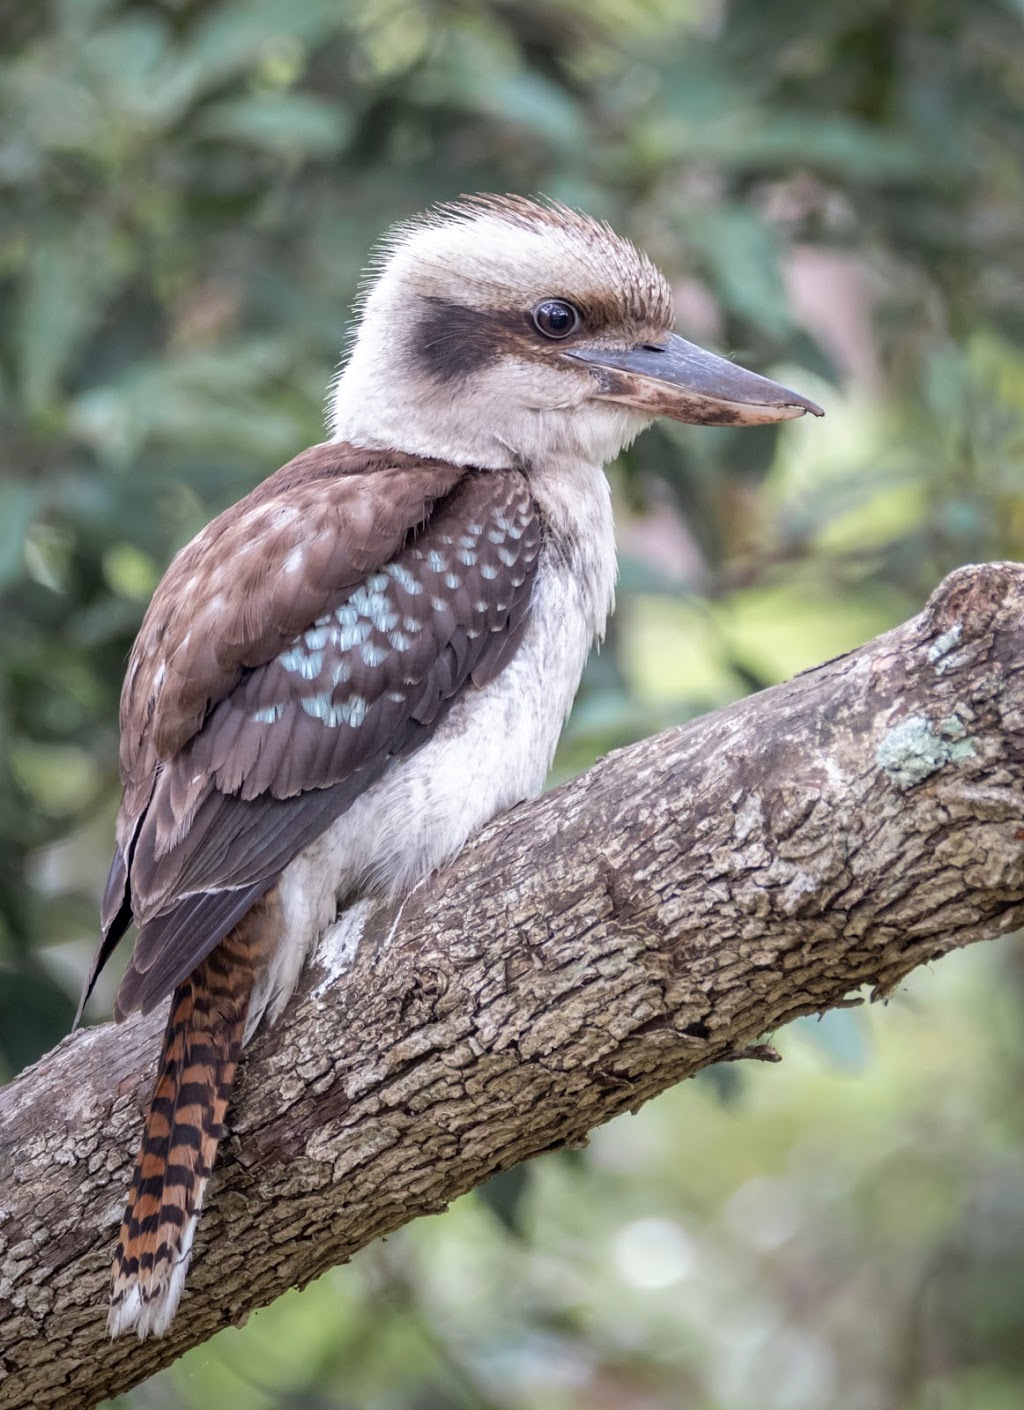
<point x="270" y="759"/>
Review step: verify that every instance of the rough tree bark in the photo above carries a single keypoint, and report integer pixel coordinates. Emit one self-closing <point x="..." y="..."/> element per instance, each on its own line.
<point x="660" y="913"/>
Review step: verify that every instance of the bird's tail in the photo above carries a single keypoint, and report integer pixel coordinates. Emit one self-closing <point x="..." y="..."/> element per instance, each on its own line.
<point x="184" y="1125"/>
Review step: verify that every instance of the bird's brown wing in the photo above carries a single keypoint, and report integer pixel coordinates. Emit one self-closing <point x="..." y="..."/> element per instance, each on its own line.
<point x="312" y="634"/>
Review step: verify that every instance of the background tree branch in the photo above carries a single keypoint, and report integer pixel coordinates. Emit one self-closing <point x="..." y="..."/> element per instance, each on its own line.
<point x="660" y="913"/>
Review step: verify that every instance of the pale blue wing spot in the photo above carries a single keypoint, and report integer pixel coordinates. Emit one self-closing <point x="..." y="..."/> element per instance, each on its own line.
<point x="318" y="706"/>
<point x="437" y="562"/>
<point x="405" y="580"/>
<point x="334" y="713"/>
<point x="488" y="570"/>
<point x="292" y="659"/>
<point x="467" y="557"/>
<point x="269" y="715"/>
<point x="305" y="663"/>
<point x="354" y="635"/>
<point x="373" y="655"/>
<point x="399" y="641"/>
<point x="515" y="528"/>
<point x="453" y="581"/>
<point x="496" y="535"/>
<point x="507" y="556"/>
<point x="341" y="671"/>
<point x="412" y="624"/>
<point x="317" y="637"/>
<point x="375" y="605"/>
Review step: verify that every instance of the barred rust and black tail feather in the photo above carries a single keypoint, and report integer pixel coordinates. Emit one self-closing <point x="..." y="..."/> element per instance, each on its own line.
<point x="201" y="1048"/>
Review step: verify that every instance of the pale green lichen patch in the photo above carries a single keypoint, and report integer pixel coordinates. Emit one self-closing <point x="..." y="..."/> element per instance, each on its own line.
<point x="916" y="748"/>
<point x="945" y="642"/>
<point x="943" y="645"/>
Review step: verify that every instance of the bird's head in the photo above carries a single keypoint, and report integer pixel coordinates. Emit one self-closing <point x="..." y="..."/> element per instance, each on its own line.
<point x="501" y="331"/>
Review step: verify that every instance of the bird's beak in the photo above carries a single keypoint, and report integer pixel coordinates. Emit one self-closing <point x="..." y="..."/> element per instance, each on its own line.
<point x="682" y="381"/>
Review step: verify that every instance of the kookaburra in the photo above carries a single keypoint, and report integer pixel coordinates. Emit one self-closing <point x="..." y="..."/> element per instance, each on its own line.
<point x="352" y="670"/>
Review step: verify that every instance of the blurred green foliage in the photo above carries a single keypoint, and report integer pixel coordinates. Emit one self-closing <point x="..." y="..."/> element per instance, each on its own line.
<point x="188" y="190"/>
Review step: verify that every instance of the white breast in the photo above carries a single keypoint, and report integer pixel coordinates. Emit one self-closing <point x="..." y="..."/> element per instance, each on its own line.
<point x="493" y="749"/>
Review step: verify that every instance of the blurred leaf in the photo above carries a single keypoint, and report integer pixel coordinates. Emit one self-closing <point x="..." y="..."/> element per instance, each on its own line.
<point x="743" y="255"/>
<point x="285" y="122"/>
<point x="66" y="285"/>
<point x="61" y="780"/>
<point x="18" y="501"/>
<point x="127" y="62"/>
<point x="35" y="1014"/>
<point x="725" y="1080"/>
<point x="82" y="12"/>
<point x="839" y="145"/>
<point x="530" y="100"/>
<point x="841" y="1035"/>
<point x="231" y="37"/>
<point x="504" y="1195"/>
<point x="130" y="573"/>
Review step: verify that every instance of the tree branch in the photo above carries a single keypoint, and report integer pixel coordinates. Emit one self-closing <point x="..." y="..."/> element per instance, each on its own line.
<point x="660" y="913"/>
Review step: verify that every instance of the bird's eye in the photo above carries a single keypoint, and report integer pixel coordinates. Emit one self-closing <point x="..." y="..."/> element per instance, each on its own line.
<point x="555" y="318"/>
